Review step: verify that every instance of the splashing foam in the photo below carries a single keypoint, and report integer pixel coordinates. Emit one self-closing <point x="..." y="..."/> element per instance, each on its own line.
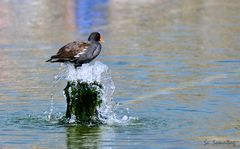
<point x="101" y="73"/>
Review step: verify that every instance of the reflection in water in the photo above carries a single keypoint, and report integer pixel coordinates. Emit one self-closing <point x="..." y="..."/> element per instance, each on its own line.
<point x="91" y="14"/>
<point x="83" y="137"/>
<point x="80" y="137"/>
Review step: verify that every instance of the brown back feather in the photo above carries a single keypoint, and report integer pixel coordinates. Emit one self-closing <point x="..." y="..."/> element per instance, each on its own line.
<point x="71" y="49"/>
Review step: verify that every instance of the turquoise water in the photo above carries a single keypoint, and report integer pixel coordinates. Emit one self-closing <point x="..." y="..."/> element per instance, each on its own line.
<point x="175" y="66"/>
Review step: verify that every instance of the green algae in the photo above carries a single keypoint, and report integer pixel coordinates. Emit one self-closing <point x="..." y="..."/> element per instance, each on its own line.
<point x="83" y="99"/>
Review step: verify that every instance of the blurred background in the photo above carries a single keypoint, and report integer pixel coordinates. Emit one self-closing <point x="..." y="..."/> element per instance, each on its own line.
<point x="175" y="64"/>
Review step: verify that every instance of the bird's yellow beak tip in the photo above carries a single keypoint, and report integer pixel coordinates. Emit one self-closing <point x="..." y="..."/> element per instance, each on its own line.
<point x="101" y="39"/>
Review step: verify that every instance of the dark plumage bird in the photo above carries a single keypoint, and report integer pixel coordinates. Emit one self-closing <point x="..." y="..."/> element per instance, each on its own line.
<point x="78" y="52"/>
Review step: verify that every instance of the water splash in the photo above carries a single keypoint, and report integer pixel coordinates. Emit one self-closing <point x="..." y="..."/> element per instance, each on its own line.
<point x="101" y="73"/>
<point x="57" y="77"/>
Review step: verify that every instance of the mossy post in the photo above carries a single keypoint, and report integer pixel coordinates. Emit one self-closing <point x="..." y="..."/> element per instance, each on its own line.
<point x="82" y="100"/>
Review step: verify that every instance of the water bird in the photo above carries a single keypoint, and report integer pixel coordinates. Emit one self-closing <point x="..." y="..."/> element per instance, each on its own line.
<point x="79" y="52"/>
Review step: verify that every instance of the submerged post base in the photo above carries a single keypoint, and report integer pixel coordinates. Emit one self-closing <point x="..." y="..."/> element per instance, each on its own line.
<point x="82" y="100"/>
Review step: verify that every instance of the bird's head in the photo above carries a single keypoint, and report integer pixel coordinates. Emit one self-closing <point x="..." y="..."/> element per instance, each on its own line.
<point x="95" y="36"/>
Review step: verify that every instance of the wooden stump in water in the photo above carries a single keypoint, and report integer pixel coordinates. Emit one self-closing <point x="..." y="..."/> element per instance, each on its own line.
<point x="82" y="100"/>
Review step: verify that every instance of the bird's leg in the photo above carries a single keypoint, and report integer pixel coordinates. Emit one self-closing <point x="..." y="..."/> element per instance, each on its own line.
<point x="77" y="65"/>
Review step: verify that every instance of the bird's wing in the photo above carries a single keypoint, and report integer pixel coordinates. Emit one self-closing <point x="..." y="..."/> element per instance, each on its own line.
<point x="72" y="50"/>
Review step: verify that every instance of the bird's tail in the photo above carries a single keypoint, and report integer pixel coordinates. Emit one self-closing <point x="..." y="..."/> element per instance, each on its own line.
<point x="50" y="60"/>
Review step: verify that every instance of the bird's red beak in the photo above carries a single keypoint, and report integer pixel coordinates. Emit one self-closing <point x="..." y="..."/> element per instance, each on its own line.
<point x="101" y="39"/>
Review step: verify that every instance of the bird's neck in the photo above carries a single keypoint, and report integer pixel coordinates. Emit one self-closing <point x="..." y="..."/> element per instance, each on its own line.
<point x="93" y="41"/>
